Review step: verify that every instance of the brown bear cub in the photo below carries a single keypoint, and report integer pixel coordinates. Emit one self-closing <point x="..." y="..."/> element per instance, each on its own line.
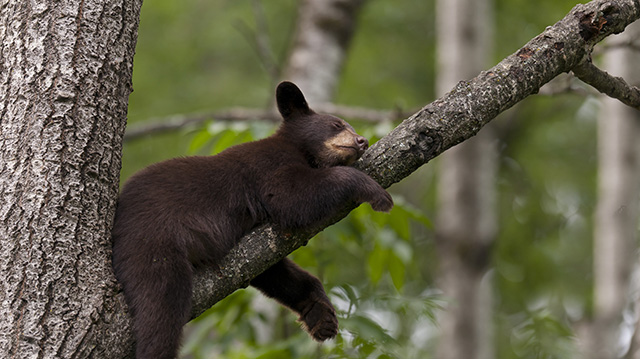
<point x="181" y="214"/>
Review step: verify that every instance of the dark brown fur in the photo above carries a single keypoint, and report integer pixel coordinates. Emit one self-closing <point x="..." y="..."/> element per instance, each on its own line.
<point x="177" y="215"/>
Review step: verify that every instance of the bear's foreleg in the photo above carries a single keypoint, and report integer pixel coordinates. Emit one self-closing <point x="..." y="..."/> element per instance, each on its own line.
<point x="303" y="197"/>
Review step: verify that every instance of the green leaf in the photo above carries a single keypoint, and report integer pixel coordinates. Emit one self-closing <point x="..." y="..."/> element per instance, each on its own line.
<point x="397" y="270"/>
<point x="377" y="263"/>
<point x="201" y="139"/>
<point x="226" y="140"/>
<point x="367" y="329"/>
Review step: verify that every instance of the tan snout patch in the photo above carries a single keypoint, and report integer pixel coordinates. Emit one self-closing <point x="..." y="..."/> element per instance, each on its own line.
<point x="343" y="148"/>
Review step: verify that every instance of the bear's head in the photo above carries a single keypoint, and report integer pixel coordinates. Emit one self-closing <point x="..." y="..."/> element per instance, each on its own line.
<point x="324" y="139"/>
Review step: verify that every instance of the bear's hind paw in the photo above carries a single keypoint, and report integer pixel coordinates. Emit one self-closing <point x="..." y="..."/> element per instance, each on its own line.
<point x="320" y="321"/>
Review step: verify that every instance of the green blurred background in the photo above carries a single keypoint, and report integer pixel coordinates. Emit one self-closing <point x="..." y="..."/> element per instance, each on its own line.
<point x="195" y="56"/>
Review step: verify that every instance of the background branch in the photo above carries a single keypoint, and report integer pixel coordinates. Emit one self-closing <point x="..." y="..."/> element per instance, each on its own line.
<point x="173" y="123"/>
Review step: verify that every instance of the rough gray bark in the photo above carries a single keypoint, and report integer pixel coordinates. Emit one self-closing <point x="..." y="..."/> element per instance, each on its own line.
<point x="323" y="34"/>
<point x="65" y="78"/>
<point x="466" y="220"/>
<point x="616" y="220"/>
<point x="440" y="125"/>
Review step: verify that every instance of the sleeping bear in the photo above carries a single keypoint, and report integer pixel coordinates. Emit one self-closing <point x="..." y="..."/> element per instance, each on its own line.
<point x="176" y="216"/>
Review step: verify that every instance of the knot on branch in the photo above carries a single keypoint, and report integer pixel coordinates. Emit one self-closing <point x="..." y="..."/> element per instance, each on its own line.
<point x="593" y="23"/>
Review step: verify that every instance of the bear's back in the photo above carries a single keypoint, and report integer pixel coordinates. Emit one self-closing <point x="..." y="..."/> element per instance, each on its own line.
<point x="201" y="201"/>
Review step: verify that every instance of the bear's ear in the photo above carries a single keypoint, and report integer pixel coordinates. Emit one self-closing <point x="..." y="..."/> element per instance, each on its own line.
<point x="291" y="101"/>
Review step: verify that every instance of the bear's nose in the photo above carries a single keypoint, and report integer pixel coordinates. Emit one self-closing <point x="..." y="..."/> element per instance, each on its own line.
<point x="362" y="143"/>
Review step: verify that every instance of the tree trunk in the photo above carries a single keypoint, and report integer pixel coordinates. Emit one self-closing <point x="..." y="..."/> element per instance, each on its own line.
<point x="65" y="78"/>
<point x="616" y="221"/>
<point x="465" y="226"/>
<point x="323" y="33"/>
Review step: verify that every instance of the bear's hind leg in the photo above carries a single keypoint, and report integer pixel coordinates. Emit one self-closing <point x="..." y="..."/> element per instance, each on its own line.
<point x="303" y="293"/>
<point x="159" y="298"/>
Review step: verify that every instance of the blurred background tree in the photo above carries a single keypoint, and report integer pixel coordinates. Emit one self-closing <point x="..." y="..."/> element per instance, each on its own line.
<point x="382" y="270"/>
<point x="465" y="227"/>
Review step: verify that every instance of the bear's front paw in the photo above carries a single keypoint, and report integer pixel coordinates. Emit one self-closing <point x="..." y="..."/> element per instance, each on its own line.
<point x="382" y="202"/>
<point x="320" y="321"/>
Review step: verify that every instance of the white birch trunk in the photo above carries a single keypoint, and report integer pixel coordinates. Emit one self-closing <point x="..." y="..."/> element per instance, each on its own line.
<point x="465" y="226"/>
<point x="323" y="34"/>
<point x="616" y="222"/>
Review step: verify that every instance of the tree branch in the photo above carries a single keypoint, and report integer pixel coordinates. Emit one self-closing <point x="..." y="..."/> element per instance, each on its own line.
<point x="176" y="122"/>
<point x="611" y="86"/>
<point x="440" y="125"/>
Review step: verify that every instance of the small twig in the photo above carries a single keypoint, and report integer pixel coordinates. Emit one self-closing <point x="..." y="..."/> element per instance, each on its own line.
<point x="176" y="122"/>
<point x="609" y="85"/>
